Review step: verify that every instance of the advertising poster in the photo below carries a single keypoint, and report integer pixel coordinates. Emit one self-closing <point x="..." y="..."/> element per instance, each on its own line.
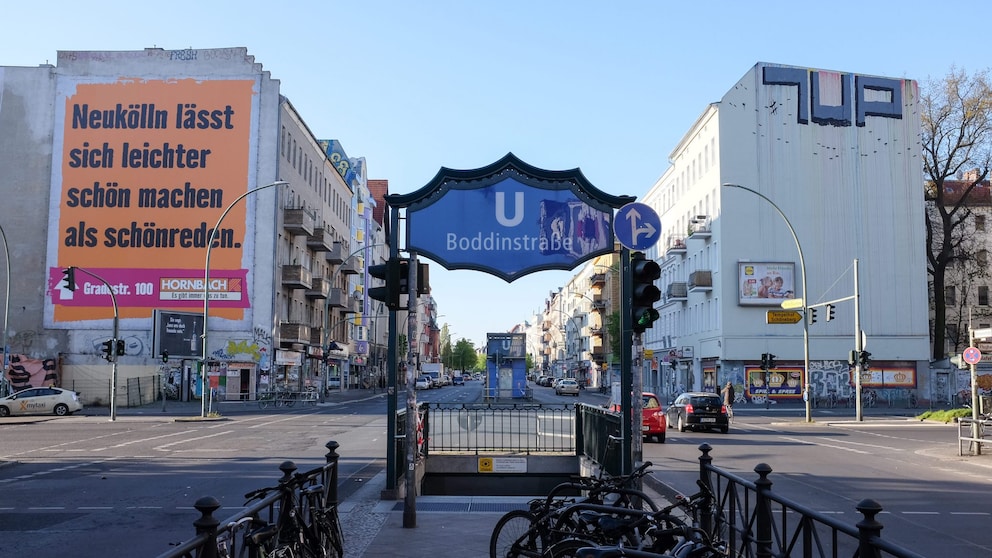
<point x="142" y="171"/>
<point x="782" y="382"/>
<point x="766" y="284"/>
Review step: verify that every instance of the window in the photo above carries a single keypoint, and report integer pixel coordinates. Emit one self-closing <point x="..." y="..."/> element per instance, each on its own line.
<point x="983" y="296"/>
<point x="979" y="222"/>
<point x="982" y="257"/>
<point x="950" y="298"/>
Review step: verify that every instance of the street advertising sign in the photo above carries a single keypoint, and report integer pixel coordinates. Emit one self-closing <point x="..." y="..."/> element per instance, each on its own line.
<point x="509" y="219"/>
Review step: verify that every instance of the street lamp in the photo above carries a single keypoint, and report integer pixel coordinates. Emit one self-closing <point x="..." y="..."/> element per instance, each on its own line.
<point x="6" y="313"/>
<point x="206" y="290"/>
<point x="802" y="270"/>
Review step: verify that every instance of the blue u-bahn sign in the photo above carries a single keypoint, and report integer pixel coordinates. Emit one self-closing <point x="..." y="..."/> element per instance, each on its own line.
<point x="509" y="219"/>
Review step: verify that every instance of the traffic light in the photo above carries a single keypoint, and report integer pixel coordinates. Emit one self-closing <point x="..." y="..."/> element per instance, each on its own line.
<point x="107" y="350"/>
<point x="644" y="294"/>
<point x="764" y="361"/>
<point x="852" y="358"/>
<point x="830" y="312"/>
<point x="165" y="357"/>
<point x="69" y="278"/>
<point x="771" y="361"/>
<point x="391" y="274"/>
<point x="811" y="315"/>
<point x="865" y="360"/>
<point x="120" y="347"/>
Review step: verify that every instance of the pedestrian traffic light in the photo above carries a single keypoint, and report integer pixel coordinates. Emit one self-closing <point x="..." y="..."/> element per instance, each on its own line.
<point x="69" y="278"/>
<point x="120" y="347"/>
<point x="811" y="315"/>
<point x="865" y="360"/>
<point x="644" y="294"/>
<point x="107" y="350"/>
<point x="165" y="356"/>
<point x="390" y="273"/>
<point x="830" y="312"/>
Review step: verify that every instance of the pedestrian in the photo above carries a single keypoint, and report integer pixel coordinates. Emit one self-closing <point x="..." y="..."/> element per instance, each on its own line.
<point x="728" y="398"/>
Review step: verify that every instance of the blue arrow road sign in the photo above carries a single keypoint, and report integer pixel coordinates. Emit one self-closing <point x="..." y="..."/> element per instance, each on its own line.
<point x="637" y="226"/>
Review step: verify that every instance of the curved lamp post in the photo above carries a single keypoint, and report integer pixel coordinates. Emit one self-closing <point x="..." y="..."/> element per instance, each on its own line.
<point x="206" y="291"/>
<point x="6" y="313"/>
<point x="802" y="270"/>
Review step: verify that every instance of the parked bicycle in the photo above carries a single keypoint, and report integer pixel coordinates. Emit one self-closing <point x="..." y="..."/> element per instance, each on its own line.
<point x="305" y="527"/>
<point x="529" y="533"/>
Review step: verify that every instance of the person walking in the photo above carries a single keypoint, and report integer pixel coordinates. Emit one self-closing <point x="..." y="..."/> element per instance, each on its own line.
<point x="728" y="399"/>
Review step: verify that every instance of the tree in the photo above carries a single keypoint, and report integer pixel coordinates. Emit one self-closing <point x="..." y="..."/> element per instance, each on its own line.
<point x="463" y="355"/>
<point x="956" y="118"/>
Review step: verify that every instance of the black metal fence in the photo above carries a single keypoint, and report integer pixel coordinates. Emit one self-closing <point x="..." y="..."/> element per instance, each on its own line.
<point x="496" y="427"/>
<point x="758" y="523"/>
<point x="598" y="435"/>
<point x="210" y="532"/>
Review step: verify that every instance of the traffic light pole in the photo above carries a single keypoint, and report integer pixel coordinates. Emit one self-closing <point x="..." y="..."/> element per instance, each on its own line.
<point x="412" y="413"/>
<point x="626" y="355"/>
<point x="112" y="349"/>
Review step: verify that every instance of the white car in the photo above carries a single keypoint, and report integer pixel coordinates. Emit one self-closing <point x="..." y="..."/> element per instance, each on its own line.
<point x="41" y="401"/>
<point x="567" y="386"/>
<point x="423" y="382"/>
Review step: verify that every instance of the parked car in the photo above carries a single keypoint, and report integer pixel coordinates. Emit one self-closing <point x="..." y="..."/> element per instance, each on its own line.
<point x="458" y="381"/>
<point x="423" y="382"/>
<point x="698" y="411"/>
<point x="653" y="420"/>
<point x="567" y="386"/>
<point x="41" y="401"/>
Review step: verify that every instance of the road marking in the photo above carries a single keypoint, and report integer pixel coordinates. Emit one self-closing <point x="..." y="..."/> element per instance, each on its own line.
<point x="813" y="443"/>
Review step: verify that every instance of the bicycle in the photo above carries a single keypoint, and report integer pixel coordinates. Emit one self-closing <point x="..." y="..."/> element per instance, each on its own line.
<point x="528" y="533"/>
<point x="310" y="396"/>
<point x="267" y="398"/>
<point x="637" y="533"/>
<point x="304" y="526"/>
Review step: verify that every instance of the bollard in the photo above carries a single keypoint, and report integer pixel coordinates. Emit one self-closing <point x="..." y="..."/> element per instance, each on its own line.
<point x="207" y="524"/>
<point x="287" y="468"/>
<point x="868" y="528"/>
<point x="705" y="462"/>
<point x="763" y="511"/>
<point x="331" y="483"/>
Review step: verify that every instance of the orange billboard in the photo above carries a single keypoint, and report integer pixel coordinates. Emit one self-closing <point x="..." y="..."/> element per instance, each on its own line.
<point x="142" y="171"/>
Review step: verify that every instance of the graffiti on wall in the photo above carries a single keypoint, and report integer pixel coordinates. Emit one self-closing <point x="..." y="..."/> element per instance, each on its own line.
<point x="24" y="372"/>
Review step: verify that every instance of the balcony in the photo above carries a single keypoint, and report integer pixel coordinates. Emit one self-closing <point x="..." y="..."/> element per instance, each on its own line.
<point x="337" y="253"/>
<point x="317" y="336"/>
<point x="320" y="240"/>
<point x="598" y="303"/>
<point x="596" y="331"/>
<point x="319" y="288"/>
<point x="337" y="298"/>
<point x="597" y="280"/>
<point x="700" y="281"/>
<point x="299" y="221"/>
<point x="296" y="277"/>
<point x="675" y="245"/>
<point x="676" y="292"/>
<point x="292" y="332"/>
<point x="349" y="267"/>
<point x="699" y="227"/>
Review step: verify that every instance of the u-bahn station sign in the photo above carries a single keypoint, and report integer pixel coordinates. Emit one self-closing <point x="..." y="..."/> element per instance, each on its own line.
<point x="509" y="219"/>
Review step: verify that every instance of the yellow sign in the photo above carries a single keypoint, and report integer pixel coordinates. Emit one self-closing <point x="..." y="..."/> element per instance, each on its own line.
<point x="782" y="317"/>
<point x="485" y="464"/>
<point x="648" y="353"/>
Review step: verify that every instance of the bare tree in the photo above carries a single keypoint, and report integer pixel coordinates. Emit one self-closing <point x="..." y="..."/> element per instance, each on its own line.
<point x="956" y="116"/>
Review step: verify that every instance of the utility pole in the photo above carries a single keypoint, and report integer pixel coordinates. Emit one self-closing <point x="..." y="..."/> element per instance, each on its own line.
<point x="412" y="413"/>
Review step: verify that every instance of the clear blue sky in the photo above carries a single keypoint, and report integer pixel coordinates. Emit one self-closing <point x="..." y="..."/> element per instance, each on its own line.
<point x="608" y="87"/>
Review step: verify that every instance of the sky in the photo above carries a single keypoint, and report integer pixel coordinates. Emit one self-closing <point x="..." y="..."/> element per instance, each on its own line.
<point x="606" y="87"/>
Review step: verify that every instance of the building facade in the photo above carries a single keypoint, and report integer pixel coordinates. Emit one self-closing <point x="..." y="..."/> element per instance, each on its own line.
<point x="120" y="165"/>
<point x="833" y="156"/>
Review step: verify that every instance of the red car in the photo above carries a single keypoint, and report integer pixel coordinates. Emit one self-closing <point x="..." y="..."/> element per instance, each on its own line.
<point x="654" y="423"/>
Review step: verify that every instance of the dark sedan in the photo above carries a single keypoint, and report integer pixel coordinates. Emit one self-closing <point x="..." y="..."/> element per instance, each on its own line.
<point x="698" y="411"/>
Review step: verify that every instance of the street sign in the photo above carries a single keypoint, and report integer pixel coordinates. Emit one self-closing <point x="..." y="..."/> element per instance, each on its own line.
<point x="793" y="303"/>
<point x="637" y="226"/>
<point x="983" y="333"/>
<point x="782" y="317"/>
<point x="972" y="355"/>
<point x="648" y="353"/>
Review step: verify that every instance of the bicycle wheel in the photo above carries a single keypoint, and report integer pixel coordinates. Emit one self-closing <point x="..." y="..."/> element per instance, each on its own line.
<point x="516" y="536"/>
<point x="263" y="402"/>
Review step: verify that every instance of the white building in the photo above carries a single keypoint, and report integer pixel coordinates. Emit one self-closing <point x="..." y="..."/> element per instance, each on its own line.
<point x="838" y="153"/>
